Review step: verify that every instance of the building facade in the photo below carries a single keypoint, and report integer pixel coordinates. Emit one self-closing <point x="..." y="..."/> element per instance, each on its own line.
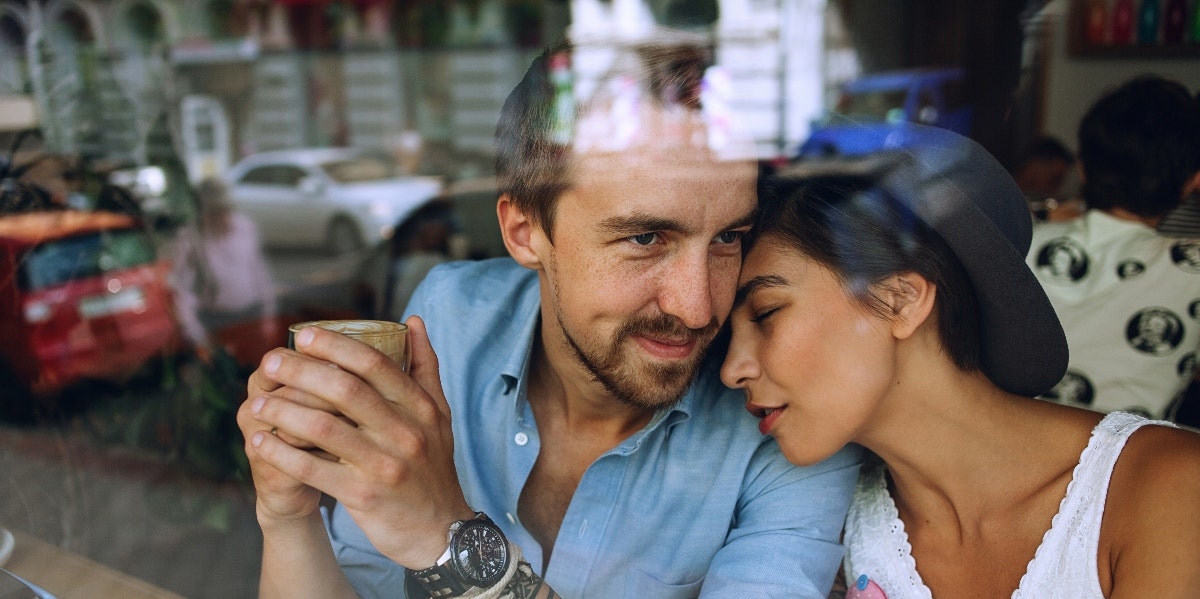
<point x="209" y="81"/>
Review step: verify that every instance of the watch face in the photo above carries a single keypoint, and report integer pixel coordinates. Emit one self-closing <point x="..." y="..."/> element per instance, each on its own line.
<point x="480" y="553"/>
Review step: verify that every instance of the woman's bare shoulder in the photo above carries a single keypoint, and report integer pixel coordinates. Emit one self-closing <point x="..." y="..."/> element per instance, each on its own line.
<point x="1152" y="517"/>
<point x="1160" y="456"/>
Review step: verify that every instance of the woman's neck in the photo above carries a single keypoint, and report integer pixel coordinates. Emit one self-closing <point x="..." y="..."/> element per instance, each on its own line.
<point x="960" y="450"/>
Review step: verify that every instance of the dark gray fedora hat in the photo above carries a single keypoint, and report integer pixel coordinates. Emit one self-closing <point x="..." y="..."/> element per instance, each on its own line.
<point x="961" y="191"/>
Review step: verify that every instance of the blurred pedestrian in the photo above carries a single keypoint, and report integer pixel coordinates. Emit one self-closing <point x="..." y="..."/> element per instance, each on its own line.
<point x="1122" y="289"/>
<point x="221" y="277"/>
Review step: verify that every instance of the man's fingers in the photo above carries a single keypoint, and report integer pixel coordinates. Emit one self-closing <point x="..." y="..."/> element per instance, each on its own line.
<point x="313" y="468"/>
<point x="365" y="374"/>
<point x="321" y="370"/>
<point x="424" y="368"/>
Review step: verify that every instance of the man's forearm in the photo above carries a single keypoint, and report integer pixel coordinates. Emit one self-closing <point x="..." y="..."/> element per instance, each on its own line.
<point x="527" y="585"/>
<point x="298" y="562"/>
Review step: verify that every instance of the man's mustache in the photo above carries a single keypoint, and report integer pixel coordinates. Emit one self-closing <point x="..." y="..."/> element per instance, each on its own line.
<point x="666" y="326"/>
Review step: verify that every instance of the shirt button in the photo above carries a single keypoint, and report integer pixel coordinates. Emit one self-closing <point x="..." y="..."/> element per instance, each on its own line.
<point x="511" y="518"/>
<point x="521" y="439"/>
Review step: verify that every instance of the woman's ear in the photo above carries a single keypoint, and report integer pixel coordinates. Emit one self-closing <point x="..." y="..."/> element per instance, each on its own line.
<point x="911" y="297"/>
<point x="517" y="230"/>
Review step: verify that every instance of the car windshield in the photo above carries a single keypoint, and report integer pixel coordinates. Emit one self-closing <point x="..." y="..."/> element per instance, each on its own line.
<point x="872" y="105"/>
<point x="359" y="170"/>
<point x="63" y="260"/>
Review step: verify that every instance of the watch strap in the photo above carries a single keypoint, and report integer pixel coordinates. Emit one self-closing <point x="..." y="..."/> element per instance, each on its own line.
<point x="441" y="580"/>
<point x="437" y="581"/>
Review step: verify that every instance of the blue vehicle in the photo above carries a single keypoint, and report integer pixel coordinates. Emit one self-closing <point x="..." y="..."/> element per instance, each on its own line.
<point x="873" y="112"/>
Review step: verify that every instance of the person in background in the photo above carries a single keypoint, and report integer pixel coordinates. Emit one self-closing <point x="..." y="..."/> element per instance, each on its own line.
<point x="1184" y="219"/>
<point x="892" y="307"/>
<point x="572" y="429"/>
<point x="1123" y="290"/>
<point x="220" y="275"/>
<point x="1043" y="176"/>
<point x="388" y="276"/>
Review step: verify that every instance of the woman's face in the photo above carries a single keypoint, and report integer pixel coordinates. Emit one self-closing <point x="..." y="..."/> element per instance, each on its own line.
<point x="813" y="360"/>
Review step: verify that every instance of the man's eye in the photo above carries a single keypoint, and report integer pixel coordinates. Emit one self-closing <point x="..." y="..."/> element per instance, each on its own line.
<point x="729" y="237"/>
<point x="644" y="239"/>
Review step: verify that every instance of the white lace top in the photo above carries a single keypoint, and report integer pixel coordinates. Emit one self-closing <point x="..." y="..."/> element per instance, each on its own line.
<point x="1064" y="565"/>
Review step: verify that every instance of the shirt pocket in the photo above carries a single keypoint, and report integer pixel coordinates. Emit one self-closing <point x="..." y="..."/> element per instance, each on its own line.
<point x="645" y="585"/>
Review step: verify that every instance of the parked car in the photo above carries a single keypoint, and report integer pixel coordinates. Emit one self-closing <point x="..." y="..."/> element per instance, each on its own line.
<point x="478" y="227"/>
<point x="874" y="112"/>
<point x="83" y="296"/>
<point x="343" y="199"/>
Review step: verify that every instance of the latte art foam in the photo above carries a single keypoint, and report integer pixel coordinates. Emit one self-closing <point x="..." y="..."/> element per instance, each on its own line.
<point x="391" y="338"/>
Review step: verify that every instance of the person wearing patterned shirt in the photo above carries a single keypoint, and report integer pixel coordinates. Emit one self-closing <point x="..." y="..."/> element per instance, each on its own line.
<point x="1125" y="292"/>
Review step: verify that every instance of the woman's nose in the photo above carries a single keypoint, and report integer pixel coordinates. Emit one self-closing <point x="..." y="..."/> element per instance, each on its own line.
<point x="739" y="368"/>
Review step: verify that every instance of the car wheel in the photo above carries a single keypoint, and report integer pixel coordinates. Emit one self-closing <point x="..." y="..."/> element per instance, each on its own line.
<point x="16" y="402"/>
<point x="343" y="236"/>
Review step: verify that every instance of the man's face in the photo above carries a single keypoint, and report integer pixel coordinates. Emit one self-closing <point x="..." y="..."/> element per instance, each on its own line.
<point x="643" y="266"/>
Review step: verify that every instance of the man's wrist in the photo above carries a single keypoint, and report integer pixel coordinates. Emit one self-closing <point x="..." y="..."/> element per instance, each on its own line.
<point x="476" y="558"/>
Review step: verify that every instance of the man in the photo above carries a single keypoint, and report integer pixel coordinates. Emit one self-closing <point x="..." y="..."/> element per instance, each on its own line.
<point x="589" y="423"/>
<point x="1125" y="299"/>
<point x="1042" y="176"/>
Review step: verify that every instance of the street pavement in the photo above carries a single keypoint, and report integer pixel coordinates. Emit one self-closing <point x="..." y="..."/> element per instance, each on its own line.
<point x="110" y="481"/>
<point x="129" y="510"/>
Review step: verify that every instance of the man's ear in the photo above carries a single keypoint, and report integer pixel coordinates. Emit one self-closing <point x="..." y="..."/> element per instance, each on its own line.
<point x="518" y="230"/>
<point x="911" y="297"/>
<point x="1192" y="186"/>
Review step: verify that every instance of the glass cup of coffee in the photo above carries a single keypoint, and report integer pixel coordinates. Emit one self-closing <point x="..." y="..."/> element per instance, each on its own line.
<point x="391" y="338"/>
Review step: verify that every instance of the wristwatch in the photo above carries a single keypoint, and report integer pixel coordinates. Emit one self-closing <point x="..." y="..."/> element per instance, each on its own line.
<point x="477" y="557"/>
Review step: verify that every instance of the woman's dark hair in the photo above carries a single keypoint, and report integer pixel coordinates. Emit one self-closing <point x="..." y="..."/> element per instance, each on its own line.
<point x="864" y="235"/>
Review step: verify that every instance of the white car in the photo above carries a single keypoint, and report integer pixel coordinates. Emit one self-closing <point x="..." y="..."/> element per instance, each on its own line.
<point x="342" y="199"/>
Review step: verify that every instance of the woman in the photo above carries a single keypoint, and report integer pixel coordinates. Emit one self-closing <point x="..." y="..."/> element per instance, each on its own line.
<point x="892" y="308"/>
<point x="221" y="277"/>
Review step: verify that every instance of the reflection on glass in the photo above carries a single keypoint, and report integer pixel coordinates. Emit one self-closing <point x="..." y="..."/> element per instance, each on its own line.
<point x="12" y="587"/>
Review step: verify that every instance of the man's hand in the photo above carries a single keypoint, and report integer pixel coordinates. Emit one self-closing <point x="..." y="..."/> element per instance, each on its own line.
<point x="280" y="497"/>
<point x="382" y="438"/>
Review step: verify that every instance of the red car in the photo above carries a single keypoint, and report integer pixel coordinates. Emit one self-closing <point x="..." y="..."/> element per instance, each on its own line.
<point x="83" y="296"/>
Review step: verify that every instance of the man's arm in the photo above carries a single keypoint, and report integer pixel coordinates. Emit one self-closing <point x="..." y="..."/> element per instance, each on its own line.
<point x="370" y="436"/>
<point x="297" y="558"/>
<point x="298" y="561"/>
<point x="795" y="516"/>
<point x="525" y="584"/>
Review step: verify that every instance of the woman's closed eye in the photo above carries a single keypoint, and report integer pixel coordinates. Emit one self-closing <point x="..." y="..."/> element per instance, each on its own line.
<point x="760" y="315"/>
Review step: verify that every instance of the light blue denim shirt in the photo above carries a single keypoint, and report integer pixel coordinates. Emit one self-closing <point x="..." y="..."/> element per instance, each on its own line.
<point x="697" y="503"/>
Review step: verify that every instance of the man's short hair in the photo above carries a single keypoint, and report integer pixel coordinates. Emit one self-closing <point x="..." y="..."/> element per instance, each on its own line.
<point x="1139" y="145"/>
<point x="535" y="135"/>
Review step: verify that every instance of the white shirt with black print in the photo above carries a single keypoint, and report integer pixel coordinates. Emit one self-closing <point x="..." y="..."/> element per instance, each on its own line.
<point x="1129" y="301"/>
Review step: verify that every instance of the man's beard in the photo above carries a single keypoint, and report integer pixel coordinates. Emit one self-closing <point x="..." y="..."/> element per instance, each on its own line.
<point x="648" y="387"/>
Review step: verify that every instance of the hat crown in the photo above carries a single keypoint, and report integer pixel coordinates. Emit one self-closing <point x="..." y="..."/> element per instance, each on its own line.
<point x="951" y="174"/>
<point x="963" y="193"/>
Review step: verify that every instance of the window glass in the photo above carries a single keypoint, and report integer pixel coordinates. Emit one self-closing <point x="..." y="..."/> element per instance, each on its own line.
<point x="64" y="260"/>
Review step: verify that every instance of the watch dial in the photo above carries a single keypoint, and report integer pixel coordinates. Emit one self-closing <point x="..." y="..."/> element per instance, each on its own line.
<point x="481" y="553"/>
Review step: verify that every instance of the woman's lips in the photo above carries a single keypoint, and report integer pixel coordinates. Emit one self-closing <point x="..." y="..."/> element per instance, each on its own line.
<point x="769" y="416"/>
